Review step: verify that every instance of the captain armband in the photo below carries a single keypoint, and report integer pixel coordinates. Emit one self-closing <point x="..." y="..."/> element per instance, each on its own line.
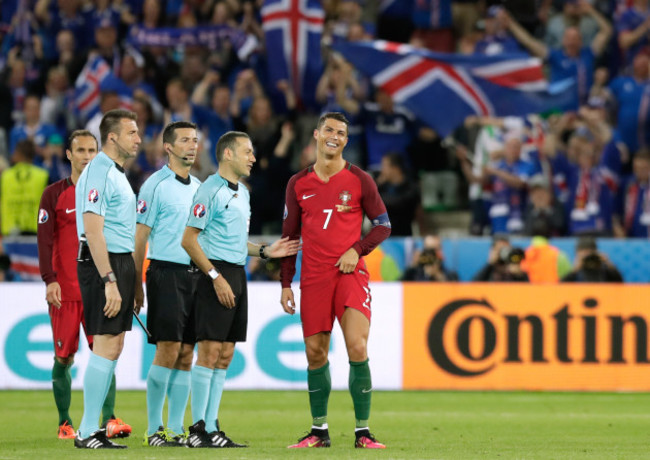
<point x="381" y="219"/>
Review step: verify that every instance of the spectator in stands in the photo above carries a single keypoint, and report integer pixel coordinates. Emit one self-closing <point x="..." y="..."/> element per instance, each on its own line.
<point x="51" y="159"/>
<point x="69" y="55"/>
<point x="508" y="178"/>
<point x="6" y="273"/>
<point x="32" y="128"/>
<point x="21" y="187"/>
<point x="17" y="86"/>
<point x="428" y="264"/>
<point x="433" y="25"/>
<point x="632" y="27"/>
<point x="56" y="102"/>
<point x="543" y="210"/>
<point x="400" y="194"/>
<point x="572" y="60"/>
<point x="573" y="14"/>
<point x="108" y="100"/>
<point x="592" y="266"/>
<point x="339" y="90"/>
<point x="106" y="43"/>
<point x="388" y="128"/>
<point x="543" y="262"/>
<point x="504" y="262"/>
<point x="590" y="198"/>
<point x="496" y="37"/>
<point x="630" y="96"/>
<point x="132" y="74"/>
<point x="632" y="209"/>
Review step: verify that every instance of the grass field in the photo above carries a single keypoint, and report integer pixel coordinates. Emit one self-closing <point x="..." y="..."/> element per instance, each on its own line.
<point x="414" y="425"/>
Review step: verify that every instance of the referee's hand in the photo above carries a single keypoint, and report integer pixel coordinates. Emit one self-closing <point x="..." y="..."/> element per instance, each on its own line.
<point x="224" y="292"/>
<point x="113" y="300"/>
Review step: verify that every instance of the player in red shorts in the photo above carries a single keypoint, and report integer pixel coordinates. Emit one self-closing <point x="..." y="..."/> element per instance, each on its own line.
<point x="57" y="258"/>
<point x="325" y="204"/>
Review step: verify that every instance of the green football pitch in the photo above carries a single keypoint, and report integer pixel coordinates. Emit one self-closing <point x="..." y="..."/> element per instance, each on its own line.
<point x="414" y="425"/>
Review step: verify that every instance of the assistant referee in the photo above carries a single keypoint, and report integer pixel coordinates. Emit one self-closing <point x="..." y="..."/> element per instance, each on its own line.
<point x="106" y="216"/>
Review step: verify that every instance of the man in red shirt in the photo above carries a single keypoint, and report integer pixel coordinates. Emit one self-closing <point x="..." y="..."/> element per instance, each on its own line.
<point x="57" y="257"/>
<point x="325" y="203"/>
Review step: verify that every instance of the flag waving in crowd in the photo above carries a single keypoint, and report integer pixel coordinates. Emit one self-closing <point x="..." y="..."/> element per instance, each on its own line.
<point x="96" y="77"/>
<point x="293" y="31"/>
<point x="443" y="89"/>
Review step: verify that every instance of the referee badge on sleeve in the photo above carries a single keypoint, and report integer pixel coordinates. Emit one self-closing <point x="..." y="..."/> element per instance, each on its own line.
<point x="93" y="196"/>
<point x="142" y="207"/>
<point x="199" y="211"/>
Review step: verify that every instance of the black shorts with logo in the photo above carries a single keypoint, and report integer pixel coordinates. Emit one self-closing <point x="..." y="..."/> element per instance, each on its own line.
<point x="213" y="320"/>
<point x="94" y="297"/>
<point x="171" y="298"/>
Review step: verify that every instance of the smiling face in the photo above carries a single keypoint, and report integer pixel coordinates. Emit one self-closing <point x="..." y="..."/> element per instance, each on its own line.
<point x="331" y="138"/>
<point x="242" y="157"/>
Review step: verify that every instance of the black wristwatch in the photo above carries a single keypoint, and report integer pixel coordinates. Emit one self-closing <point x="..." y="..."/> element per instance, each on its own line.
<point x="109" y="278"/>
<point x="262" y="252"/>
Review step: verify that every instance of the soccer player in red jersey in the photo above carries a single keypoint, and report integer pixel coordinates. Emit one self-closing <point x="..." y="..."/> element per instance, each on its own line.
<point x="57" y="257"/>
<point x="325" y="204"/>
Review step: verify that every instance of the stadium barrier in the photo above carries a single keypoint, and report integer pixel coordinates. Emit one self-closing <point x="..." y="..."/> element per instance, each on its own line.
<point x="424" y="336"/>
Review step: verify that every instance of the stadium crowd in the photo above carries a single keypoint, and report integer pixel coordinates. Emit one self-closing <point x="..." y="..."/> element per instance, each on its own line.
<point x="579" y="172"/>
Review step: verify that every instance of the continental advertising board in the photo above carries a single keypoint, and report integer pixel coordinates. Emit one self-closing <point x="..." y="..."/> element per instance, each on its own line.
<point x="423" y="336"/>
<point x="516" y="336"/>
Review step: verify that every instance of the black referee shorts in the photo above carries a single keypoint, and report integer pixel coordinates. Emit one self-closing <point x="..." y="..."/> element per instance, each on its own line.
<point x="94" y="297"/>
<point x="171" y="294"/>
<point x="213" y="320"/>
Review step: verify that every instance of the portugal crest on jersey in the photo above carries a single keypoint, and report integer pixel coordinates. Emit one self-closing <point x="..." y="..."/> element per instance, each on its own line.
<point x="345" y="198"/>
<point x="141" y="207"/>
<point x="42" y="216"/>
<point x="93" y="196"/>
<point x="199" y="210"/>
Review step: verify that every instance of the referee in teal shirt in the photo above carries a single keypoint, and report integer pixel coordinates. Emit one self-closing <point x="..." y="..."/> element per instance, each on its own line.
<point x="216" y="238"/>
<point x="105" y="206"/>
<point x="162" y="209"/>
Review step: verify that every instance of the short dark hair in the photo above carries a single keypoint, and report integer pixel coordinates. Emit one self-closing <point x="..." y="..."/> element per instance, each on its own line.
<point x="111" y="122"/>
<point x="396" y="160"/>
<point x="81" y="133"/>
<point x="169" y="133"/>
<point x="229" y="141"/>
<point x="338" y="116"/>
<point x="26" y="148"/>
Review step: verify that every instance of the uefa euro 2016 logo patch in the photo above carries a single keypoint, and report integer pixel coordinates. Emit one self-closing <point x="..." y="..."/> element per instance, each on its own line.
<point x="142" y="207"/>
<point x="93" y="196"/>
<point x="42" y="216"/>
<point x="199" y="211"/>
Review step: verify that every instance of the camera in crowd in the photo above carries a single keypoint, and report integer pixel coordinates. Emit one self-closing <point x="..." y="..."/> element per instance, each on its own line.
<point x="510" y="255"/>
<point x="428" y="257"/>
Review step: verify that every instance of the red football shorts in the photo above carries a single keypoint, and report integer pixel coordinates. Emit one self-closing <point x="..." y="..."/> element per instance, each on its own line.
<point x="327" y="298"/>
<point x="65" y="327"/>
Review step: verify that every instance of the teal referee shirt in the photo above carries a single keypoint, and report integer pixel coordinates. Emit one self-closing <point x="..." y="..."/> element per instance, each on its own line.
<point x="163" y="205"/>
<point x="222" y="211"/>
<point x="103" y="190"/>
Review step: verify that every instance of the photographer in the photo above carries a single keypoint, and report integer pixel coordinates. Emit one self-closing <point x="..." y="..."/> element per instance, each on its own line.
<point x="504" y="263"/>
<point x="428" y="268"/>
<point x="592" y="266"/>
<point x="428" y="264"/>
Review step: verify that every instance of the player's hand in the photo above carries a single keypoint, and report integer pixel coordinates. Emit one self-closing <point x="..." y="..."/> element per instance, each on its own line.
<point x="53" y="294"/>
<point x="113" y="300"/>
<point x="348" y="261"/>
<point x="139" y="296"/>
<point x="224" y="292"/>
<point x="287" y="301"/>
<point x="283" y="247"/>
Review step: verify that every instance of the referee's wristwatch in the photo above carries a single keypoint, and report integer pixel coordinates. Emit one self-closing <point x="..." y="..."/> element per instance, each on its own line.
<point x="109" y="278"/>
<point x="213" y="273"/>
